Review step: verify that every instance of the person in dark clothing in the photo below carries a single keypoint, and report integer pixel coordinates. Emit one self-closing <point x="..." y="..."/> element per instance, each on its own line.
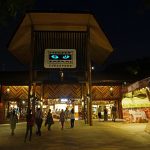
<point x="105" y="114"/>
<point x="13" y="121"/>
<point x="38" y="121"/>
<point x="62" y="119"/>
<point x="99" y="110"/>
<point x="30" y="122"/>
<point x="113" y="112"/>
<point x="49" y="120"/>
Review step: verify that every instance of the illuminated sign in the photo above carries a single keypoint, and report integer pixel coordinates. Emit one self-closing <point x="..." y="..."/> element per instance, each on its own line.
<point x="64" y="100"/>
<point x="60" y="58"/>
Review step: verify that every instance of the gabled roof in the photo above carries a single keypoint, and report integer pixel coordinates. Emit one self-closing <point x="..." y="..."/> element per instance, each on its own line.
<point x="20" y="44"/>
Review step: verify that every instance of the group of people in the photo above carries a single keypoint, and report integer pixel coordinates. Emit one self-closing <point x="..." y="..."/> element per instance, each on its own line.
<point x="105" y="110"/>
<point x="31" y="119"/>
<point x="37" y="119"/>
<point x="65" y="115"/>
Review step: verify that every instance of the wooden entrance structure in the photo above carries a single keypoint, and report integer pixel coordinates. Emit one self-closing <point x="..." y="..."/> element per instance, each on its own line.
<point x="39" y="31"/>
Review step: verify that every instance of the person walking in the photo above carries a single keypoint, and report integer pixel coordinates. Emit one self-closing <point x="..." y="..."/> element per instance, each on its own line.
<point x="113" y="112"/>
<point x="72" y="118"/>
<point x="105" y="114"/>
<point x="62" y="118"/>
<point x="99" y="110"/>
<point x="13" y="121"/>
<point x="38" y="121"/>
<point x="66" y="114"/>
<point x="49" y="120"/>
<point x="30" y="123"/>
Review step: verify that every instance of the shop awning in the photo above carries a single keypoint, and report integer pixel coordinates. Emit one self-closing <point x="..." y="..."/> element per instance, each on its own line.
<point x="137" y="85"/>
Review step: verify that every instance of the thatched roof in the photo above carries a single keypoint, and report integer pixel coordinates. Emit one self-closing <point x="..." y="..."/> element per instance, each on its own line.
<point x="20" y="44"/>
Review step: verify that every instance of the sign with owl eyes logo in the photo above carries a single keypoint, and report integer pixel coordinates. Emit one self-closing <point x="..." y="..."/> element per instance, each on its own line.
<point x="60" y="58"/>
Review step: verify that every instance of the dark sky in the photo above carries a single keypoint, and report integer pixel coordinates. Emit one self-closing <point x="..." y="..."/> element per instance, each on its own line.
<point x="126" y="23"/>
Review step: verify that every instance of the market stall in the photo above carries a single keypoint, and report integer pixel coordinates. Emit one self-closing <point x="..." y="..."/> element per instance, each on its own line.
<point x="136" y="102"/>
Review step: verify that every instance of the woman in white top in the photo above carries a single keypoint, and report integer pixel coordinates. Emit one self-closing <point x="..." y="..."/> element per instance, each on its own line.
<point x="72" y="118"/>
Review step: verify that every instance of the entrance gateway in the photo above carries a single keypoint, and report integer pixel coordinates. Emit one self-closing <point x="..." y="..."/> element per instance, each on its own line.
<point x="78" y="32"/>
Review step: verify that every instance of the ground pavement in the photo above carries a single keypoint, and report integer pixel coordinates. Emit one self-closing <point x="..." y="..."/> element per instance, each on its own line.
<point x="100" y="136"/>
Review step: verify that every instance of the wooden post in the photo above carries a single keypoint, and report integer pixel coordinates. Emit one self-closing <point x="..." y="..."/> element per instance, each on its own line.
<point x="87" y="103"/>
<point x="83" y="101"/>
<point x="120" y="104"/>
<point x="29" y="96"/>
<point x="89" y="97"/>
<point x="120" y="113"/>
<point x="89" y="81"/>
<point x="42" y="94"/>
<point x="33" y="100"/>
<point x="31" y="69"/>
<point x="30" y="85"/>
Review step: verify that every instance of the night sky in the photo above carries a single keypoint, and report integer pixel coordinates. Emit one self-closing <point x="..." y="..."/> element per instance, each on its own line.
<point x="126" y="24"/>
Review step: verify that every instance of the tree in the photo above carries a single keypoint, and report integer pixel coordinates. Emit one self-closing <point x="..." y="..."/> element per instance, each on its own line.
<point x="10" y="8"/>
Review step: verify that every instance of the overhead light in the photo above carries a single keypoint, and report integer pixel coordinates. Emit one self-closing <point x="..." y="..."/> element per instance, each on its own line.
<point x="8" y="90"/>
<point x="92" y="67"/>
<point x="111" y="89"/>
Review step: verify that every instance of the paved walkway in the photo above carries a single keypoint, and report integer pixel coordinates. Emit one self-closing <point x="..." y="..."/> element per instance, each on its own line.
<point x="100" y="136"/>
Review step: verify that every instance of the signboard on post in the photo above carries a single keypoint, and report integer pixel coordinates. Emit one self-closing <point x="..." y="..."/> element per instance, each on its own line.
<point x="60" y="58"/>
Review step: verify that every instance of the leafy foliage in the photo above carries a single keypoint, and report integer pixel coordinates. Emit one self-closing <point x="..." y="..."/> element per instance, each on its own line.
<point x="10" y="8"/>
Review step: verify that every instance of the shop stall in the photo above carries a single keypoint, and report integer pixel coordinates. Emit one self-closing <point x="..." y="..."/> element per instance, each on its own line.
<point x="102" y="104"/>
<point x="136" y="102"/>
